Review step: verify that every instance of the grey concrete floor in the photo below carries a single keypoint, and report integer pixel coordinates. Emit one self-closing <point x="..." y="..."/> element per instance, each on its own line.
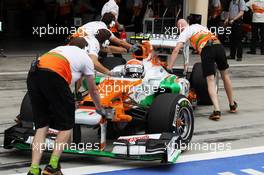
<point x="242" y="130"/>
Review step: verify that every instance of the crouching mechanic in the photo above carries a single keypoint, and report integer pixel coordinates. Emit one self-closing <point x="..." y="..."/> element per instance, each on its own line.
<point x="52" y="100"/>
<point x="211" y="51"/>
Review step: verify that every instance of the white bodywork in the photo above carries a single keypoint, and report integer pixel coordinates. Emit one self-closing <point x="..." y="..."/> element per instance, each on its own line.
<point x="87" y="117"/>
<point x="131" y="148"/>
<point x="134" y="149"/>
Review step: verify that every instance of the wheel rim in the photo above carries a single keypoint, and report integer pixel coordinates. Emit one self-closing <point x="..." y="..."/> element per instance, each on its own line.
<point x="183" y="123"/>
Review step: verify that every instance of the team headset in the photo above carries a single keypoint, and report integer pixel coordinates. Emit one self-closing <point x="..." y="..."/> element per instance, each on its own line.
<point x="106" y="43"/>
<point x="86" y="48"/>
<point x="112" y="24"/>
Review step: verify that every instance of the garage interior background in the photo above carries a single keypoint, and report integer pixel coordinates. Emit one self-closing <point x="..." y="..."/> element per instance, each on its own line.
<point x="18" y="17"/>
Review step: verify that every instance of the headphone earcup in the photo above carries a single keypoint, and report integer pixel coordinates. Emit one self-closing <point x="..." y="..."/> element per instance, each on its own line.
<point x="112" y="24"/>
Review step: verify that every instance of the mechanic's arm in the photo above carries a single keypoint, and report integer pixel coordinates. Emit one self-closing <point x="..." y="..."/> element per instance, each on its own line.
<point x="93" y="91"/>
<point x="98" y="66"/>
<point x="240" y="14"/>
<point x="114" y="49"/>
<point x="120" y="42"/>
<point x="174" y="55"/>
<point x="227" y="19"/>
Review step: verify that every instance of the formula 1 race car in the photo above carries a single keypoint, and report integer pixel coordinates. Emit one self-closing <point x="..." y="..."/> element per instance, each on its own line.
<point x="149" y="112"/>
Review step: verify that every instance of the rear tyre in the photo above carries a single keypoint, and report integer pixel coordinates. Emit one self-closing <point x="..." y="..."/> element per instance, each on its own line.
<point x="171" y="113"/>
<point x="199" y="84"/>
<point x="26" y="114"/>
<point x="111" y="62"/>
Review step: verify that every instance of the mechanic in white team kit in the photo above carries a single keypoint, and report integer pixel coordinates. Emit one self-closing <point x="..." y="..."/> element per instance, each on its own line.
<point x="111" y="7"/>
<point x="52" y="100"/>
<point x="108" y="21"/>
<point x="96" y="43"/>
<point x="212" y="52"/>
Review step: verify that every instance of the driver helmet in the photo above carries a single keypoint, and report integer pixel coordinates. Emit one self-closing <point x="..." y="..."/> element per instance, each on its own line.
<point x="134" y="69"/>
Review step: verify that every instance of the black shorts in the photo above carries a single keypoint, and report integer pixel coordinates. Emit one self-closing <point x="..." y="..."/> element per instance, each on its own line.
<point x="211" y="55"/>
<point x="52" y="100"/>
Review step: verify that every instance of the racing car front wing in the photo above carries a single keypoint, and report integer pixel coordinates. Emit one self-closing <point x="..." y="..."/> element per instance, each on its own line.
<point x="146" y="147"/>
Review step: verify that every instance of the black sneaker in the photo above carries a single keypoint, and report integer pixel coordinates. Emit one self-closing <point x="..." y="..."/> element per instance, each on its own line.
<point x="252" y="52"/>
<point x="216" y="115"/>
<point x="29" y="173"/>
<point x="233" y="108"/>
<point x="48" y="170"/>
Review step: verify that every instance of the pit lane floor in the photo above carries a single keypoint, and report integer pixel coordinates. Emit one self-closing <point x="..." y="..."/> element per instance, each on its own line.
<point x="234" y="131"/>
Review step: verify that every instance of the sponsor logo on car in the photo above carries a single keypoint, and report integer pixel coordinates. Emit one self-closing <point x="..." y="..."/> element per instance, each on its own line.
<point x="134" y="139"/>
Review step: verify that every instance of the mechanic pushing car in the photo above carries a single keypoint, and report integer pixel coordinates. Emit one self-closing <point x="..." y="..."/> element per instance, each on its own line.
<point x="211" y="51"/>
<point x="107" y="22"/>
<point x="52" y="100"/>
<point x="100" y="41"/>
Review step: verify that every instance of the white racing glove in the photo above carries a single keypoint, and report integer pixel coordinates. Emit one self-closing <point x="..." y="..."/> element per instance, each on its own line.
<point x="105" y="113"/>
<point x="134" y="48"/>
<point x="114" y="74"/>
<point x="102" y="112"/>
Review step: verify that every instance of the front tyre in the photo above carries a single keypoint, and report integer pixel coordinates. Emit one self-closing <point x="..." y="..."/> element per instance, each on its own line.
<point x="171" y="113"/>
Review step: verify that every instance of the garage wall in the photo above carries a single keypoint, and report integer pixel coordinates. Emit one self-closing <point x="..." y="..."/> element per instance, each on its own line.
<point x="198" y="7"/>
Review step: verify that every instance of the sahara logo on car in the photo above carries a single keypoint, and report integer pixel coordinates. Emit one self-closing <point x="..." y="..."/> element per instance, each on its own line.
<point x="134" y="139"/>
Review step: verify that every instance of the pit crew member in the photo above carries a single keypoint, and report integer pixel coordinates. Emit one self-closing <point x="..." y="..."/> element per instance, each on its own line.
<point x="257" y="7"/>
<point x="112" y="7"/>
<point x="211" y="51"/>
<point x="99" y="41"/>
<point x="52" y="100"/>
<point x="107" y="22"/>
